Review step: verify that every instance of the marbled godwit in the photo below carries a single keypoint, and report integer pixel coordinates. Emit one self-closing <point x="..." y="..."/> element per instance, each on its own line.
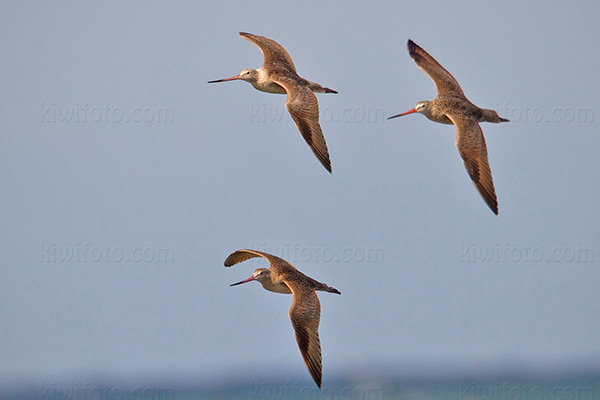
<point x="451" y="106"/>
<point x="305" y="312"/>
<point x="278" y="75"/>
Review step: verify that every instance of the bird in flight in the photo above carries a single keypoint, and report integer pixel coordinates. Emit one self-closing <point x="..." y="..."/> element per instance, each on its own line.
<point x="305" y="312"/>
<point x="278" y="75"/>
<point x="451" y="106"/>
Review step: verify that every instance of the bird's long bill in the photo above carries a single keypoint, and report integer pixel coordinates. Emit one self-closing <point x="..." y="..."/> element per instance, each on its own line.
<point x="233" y="78"/>
<point x="414" y="110"/>
<point x="244" y="281"/>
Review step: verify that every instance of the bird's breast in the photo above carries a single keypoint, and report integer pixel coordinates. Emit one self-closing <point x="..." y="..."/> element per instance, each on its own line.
<point x="265" y="82"/>
<point x="440" y="118"/>
<point x="269" y="87"/>
<point x="278" y="287"/>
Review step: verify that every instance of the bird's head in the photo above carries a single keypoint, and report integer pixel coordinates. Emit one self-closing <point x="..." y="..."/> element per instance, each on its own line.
<point x="422" y="107"/>
<point x="248" y="75"/>
<point x="260" y="274"/>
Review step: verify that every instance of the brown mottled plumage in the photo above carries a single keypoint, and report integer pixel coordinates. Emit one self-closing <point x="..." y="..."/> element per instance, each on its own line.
<point x="451" y="106"/>
<point x="305" y="312"/>
<point x="278" y="75"/>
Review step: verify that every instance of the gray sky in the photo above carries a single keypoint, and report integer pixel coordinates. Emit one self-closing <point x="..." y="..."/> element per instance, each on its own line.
<point x="114" y="232"/>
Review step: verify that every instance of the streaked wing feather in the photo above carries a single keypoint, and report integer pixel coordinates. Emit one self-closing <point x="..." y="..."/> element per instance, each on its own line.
<point x="302" y="105"/>
<point x="272" y="51"/>
<point x="305" y="314"/>
<point x="245" y="254"/>
<point x="444" y="81"/>
<point x="470" y="143"/>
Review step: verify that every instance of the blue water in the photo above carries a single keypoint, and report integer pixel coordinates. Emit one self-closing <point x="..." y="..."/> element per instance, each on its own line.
<point x="581" y="388"/>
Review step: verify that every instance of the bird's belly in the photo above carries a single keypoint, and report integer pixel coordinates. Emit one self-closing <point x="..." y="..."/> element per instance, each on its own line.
<point x="277" y="287"/>
<point x="440" y="118"/>
<point x="270" y="88"/>
<point x="443" y="120"/>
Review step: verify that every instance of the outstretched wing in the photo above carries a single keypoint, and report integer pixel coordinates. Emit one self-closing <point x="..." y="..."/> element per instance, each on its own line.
<point x="444" y="81"/>
<point x="245" y="254"/>
<point x="305" y="314"/>
<point x="303" y="107"/>
<point x="471" y="146"/>
<point x="273" y="52"/>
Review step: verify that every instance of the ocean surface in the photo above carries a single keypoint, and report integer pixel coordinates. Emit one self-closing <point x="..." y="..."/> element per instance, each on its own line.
<point x="494" y="388"/>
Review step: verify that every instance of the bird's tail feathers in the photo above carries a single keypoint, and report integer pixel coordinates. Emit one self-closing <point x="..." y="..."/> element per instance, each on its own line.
<point x="332" y="290"/>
